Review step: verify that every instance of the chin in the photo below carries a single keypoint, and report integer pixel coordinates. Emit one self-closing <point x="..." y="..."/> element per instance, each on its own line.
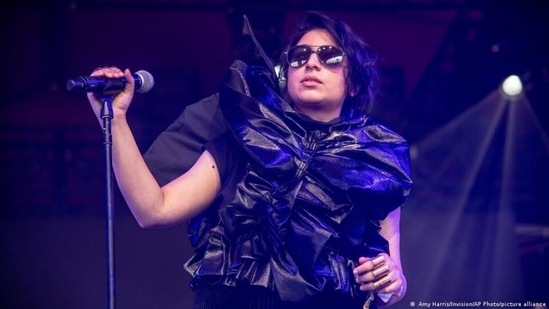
<point x="311" y="99"/>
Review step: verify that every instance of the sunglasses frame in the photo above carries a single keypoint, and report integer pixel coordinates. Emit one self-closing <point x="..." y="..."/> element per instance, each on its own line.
<point x="312" y="50"/>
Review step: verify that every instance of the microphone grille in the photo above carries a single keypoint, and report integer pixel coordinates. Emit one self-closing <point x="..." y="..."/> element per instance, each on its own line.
<point x="147" y="81"/>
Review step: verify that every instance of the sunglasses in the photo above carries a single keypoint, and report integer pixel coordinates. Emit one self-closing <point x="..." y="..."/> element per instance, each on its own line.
<point x="330" y="56"/>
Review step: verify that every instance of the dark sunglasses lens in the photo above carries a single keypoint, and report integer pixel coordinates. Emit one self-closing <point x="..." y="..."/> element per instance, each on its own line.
<point x="330" y="55"/>
<point x="298" y="56"/>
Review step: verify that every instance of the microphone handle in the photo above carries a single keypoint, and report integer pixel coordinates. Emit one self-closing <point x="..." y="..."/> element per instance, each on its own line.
<point x="85" y="84"/>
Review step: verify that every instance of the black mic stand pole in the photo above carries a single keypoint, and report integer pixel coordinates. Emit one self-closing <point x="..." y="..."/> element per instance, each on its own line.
<point x="106" y="115"/>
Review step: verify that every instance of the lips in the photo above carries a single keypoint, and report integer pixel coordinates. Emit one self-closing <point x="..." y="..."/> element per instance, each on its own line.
<point x="311" y="79"/>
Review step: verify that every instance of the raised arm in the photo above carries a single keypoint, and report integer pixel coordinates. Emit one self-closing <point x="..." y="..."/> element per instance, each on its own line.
<point x="151" y="205"/>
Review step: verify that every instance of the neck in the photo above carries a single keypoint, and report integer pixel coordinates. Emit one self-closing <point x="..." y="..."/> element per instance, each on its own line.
<point x="319" y="114"/>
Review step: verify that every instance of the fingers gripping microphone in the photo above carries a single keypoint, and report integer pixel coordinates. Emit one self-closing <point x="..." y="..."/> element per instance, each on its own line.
<point x="144" y="82"/>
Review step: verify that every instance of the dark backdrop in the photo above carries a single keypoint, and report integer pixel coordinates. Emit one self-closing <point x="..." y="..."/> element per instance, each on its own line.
<point x="475" y="228"/>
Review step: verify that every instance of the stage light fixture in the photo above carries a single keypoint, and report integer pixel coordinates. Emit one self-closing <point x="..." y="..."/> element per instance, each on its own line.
<point x="512" y="87"/>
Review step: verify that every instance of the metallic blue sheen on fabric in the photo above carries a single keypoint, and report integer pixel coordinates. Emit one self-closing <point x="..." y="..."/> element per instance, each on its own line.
<point x="310" y="202"/>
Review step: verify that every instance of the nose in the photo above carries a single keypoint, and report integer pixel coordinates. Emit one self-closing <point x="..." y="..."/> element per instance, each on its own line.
<point x="313" y="62"/>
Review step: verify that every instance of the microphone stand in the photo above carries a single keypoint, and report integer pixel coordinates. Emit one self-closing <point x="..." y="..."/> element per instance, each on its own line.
<point x="106" y="115"/>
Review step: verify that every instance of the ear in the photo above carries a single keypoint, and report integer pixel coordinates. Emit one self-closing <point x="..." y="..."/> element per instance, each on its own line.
<point x="353" y="91"/>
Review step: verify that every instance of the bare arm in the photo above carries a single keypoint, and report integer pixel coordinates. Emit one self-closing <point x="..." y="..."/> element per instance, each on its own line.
<point x="383" y="274"/>
<point x="390" y="230"/>
<point x="177" y="201"/>
<point x="151" y="205"/>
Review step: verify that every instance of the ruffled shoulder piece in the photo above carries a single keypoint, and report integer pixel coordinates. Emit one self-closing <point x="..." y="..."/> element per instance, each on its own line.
<point x="280" y="142"/>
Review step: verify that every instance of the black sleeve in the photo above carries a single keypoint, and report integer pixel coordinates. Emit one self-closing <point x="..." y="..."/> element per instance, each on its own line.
<point x="227" y="155"/>
<point x="177" y="148"/>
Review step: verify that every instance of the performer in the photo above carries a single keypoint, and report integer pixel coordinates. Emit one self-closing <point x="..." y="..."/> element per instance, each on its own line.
<point x="295" y="203"/>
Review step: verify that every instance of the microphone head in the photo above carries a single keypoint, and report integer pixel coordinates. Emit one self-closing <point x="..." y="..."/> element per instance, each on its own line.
<point x="147" y="81"/>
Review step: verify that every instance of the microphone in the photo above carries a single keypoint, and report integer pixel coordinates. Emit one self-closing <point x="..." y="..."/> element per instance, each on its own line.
<point x="144" y="82"/>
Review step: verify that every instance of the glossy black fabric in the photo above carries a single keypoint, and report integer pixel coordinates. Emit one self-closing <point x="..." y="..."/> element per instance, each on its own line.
<point x="311" y="198"/>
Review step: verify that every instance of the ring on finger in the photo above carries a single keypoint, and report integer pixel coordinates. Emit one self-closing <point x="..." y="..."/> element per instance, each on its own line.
<point x="382" y="282"/>
<point x="378" y="272"/>
<point x="378" y="260"/>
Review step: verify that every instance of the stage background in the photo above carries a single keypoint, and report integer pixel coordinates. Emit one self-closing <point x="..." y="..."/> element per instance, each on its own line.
<point x="475" y="229"/>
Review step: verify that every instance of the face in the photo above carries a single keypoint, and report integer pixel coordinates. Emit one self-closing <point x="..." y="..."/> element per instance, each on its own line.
<point x="316" y="90"/>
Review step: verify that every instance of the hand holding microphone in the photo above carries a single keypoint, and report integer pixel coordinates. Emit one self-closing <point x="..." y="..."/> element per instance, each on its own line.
<point x="111" y="81"/>
<point x="144" y="82"/>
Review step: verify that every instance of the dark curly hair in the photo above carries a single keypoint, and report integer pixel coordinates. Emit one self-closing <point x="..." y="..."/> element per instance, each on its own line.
<point x="361" y="75"/>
